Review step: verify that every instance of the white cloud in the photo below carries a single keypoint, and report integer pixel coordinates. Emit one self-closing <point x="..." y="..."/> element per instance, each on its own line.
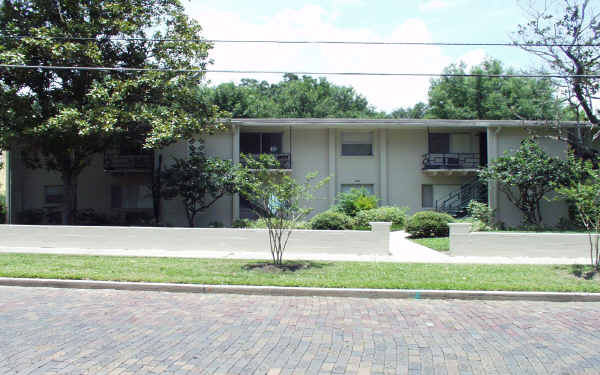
<point x="315" y="23"/>
<point x="425" y="5"/>
<point x="472" y="58"/>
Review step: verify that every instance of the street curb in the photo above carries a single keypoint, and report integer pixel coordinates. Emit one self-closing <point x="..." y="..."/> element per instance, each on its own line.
<point x="305" y="292"/>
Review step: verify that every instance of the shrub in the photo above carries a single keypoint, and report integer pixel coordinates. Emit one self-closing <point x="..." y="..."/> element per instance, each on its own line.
<point x="481" y="212"/>
<point x="91" y="217"/>
<point x="395" y="215"/>
<point x="216" y="224"/>
<point x="2" y="209"/>
<point x="332" y="220"/>
<point x="31" y="217"/>
<point x="354" y="201"/>
<point x="429" y="224"/>
<point x="241" y="223"/>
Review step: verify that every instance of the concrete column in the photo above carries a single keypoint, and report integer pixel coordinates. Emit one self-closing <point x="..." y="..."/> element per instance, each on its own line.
<point x="332" y="171"/>
<point x="382" y="232"/>
<point x="383" y="170"/>
<point x="459" y="235"/>
<point x="493" y="150"/>
<point x="235" y="156"/>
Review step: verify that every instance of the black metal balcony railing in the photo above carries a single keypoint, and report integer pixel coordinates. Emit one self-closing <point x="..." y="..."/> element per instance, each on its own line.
<point x="128" y="163"/>
<point x="285" y="159"/>
<point x="452" y="161"/>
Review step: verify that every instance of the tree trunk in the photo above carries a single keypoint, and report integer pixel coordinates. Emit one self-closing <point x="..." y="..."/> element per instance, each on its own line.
<point x="156" y="190"/>
<point x="70" y="199"/>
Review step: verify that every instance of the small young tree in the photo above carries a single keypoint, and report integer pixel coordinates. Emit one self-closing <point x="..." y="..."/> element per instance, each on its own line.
<point x="277" y="198"/>
<point x="199" y="181"/>
<point x="526" y="176"/>
<point x="583" y="192"/>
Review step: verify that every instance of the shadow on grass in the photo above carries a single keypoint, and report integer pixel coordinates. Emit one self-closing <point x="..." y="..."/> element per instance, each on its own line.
<point x="289" y="266"/>
<point x="584" y="272"/>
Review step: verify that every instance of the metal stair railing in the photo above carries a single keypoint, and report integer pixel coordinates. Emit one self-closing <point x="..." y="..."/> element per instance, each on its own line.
<point x="456" y="202"/>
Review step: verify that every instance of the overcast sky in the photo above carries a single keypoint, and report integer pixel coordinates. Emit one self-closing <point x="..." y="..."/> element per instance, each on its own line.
<point x="486" y="21"/>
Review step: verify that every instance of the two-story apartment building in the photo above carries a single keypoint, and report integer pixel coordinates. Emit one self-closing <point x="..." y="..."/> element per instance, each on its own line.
<point x="420" y="164"/>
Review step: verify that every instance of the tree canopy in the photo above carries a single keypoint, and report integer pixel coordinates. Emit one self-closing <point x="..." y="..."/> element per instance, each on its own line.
<point x="58" y="119"/>
<point x="294" y="97"/>
<point x="490" y="98"/>
<point x="567" y="40"/>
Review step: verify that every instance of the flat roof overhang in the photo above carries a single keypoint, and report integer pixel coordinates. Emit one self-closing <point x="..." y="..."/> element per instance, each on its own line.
<point x="400" y="123"/>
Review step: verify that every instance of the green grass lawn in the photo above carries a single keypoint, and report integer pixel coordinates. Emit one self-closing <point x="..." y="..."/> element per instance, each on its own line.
<point x="319" y="274"/>
<point x="435" y="243"/>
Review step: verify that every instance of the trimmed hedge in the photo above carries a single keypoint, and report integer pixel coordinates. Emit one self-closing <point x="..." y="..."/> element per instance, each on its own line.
<point x="429" y="224"/>
<point x="396" y="215"/>
<point x="331" y="220"/>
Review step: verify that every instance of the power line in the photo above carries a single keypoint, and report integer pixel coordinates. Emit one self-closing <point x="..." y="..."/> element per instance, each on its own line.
<point x="274" y="41"/>
<point x="168" y="70"/>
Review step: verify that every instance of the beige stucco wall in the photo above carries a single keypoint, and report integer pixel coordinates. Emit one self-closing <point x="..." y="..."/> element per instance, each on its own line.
<point x="405" y="175"/>
<point x="509" y="139"/>
<point x="394" y="169"/>
<point x="463" y="242"/>
<point x="374" y="242"/>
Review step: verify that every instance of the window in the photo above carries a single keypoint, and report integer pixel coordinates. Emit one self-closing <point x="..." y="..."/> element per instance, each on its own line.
<point x="439" y="143"/>
<point x="369" y="187"/>
<point x="54" y="194"/>
<point x="130" y="196"/>
<point x="261" y="143"/>
<point x="427" y="196"/>
<point x="357" y="144"/>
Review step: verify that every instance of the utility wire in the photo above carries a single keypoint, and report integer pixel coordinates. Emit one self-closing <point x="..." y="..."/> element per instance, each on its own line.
<point x="168" y="70"/>
<point x="267" y="41"/>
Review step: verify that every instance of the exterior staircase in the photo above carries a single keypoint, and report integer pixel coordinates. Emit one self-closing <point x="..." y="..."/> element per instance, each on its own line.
<point x="457" y="201"/>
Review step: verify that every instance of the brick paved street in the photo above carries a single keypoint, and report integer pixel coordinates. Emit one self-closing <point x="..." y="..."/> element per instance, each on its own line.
<point x="59" y="331"/>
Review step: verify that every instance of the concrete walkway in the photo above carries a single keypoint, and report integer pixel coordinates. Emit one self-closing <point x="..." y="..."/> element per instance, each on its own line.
<point x="403" y="251"/>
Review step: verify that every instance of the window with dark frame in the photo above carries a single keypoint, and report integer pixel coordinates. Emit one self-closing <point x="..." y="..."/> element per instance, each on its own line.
<point x="427" y="196"/>
<point x="439" y="143"/>
<point x="261" y="143"/>
<point x="54" y="194"/>
<point x="357" y="144"/>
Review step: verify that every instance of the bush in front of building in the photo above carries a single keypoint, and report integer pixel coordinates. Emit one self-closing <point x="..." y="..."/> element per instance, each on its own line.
<point x="331" y="220"/>
<point x="354" y="201"/>
<point x="395" y="215"/>
<point x="428" y="224"/>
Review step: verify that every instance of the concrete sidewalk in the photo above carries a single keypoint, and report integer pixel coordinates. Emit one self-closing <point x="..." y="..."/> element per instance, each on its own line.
<point x="402" y="251"/>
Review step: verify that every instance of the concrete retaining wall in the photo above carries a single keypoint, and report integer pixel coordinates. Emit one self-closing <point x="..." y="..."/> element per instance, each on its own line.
<point x="463" y="242"/>
<point x="374" y="242"/>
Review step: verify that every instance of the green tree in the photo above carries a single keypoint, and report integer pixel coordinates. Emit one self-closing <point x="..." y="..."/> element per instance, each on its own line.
<point x="490" y="98"/>
<point x="277" y="198"/>
<point x="419" y="110"/>
<point x="293" y="97"/>
<point x="565" y="35"/>
<point x="58" y="119"/>
<point x="199" y="181"/>
<point x="526" y="176"/>
<point x="583" y="191"/>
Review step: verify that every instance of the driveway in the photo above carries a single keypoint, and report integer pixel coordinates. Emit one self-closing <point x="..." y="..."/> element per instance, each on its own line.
<point x="67" y="331"/>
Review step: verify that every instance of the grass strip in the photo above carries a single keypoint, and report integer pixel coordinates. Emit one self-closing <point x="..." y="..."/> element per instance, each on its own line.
<point x="556" y="278"/>
<point x="435" y="243"/>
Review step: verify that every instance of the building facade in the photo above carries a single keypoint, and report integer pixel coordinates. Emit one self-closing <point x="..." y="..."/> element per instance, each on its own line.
<point x="419" y="164"/>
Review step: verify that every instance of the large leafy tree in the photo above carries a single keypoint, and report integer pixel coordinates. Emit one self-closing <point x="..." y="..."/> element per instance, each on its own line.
<point x="292" y="97"/>
<point x="526" y="176"/>
<point x="59" y="118"/>
<point x="566" y="35"/>
<point x="491" y="98"/>
<point x="199" y="181"/>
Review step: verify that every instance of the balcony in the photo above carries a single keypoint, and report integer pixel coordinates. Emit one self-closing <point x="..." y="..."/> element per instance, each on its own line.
<point x="451" y="163"/>
<point x="284" y="159"/>
<point x="140" y="163"/>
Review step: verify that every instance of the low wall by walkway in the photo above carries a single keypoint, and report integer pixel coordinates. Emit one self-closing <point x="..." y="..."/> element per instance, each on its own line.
<point x="463" y="242"/>
<point x="374" y="242"/>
